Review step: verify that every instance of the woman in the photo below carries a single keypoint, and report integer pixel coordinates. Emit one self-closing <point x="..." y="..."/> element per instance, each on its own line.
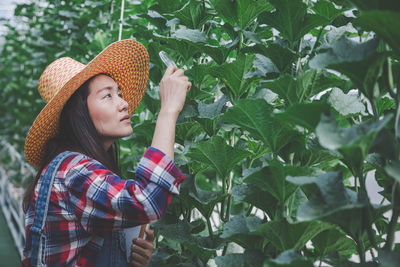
<point x="72" y="142"/>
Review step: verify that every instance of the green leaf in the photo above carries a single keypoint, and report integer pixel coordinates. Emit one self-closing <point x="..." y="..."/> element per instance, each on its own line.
<point x="193" y="14"/>
<point x="272" y="179"/>
<point x="313" y="82"/>
<point x="194" y="36"/>
<point x="291" y="19"/>
<point x="241" y="12"/>
<point x="385" y="103"/>
<point x="203" y="200"/>
<point x="242" y="230"/>
<point x="254" y="116"/>
<point x="178" y="231"/>
<point x="288" y="258"/>
<point x="253" y="195"/>
<point x="286" y="236"/>
<point x="284" y="86"/>
<point x="383" y="23"/>
<point x="305" y="115"/>
<point x="326" y="9"/>
<point x="210" y="111"/>
<point x="281" y="57"/>
<point x="346" y="104"/>
<point x="233" y="74"/>
<point x="218" y="154"/>
<point x="187" y="131"/>
<point x="331" y="241"/>
<point x="359" y="61"/>
<point x="353" y="143"/>
<point x="393" y="169"/>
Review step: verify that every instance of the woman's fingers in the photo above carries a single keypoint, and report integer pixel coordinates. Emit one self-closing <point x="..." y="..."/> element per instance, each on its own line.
<point x="141" y="249"/>
<point x="170" y="70"/>
<point x="179" y="73"/>
<point x="149" y="235"/>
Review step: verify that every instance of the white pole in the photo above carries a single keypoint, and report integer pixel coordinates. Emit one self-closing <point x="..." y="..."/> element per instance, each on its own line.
<point x="121" y="20"/>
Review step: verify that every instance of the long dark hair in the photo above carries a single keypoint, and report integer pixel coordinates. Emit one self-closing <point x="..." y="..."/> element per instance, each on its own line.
<point x="76" y="133"/>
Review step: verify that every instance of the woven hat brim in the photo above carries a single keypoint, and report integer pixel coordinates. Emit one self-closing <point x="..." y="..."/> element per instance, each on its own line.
<point x="126" y="61"/>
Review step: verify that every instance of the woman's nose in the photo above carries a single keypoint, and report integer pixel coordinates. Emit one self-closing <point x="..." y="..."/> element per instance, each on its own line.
<point x="123" y="104"/>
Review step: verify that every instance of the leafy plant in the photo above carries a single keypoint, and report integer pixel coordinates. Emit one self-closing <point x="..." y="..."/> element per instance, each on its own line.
<point x="275" y="143"/>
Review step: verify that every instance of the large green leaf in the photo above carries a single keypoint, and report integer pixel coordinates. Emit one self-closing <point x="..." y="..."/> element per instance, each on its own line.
<point x="254" y="116"/>
<point x="305" y="115"/>
<point x="273" y="180"/>
<point x="384" y="23"/>
<point x="282" y="57"/>
<point x="253" y="195"/>
<point x="242" y="230"/>
<point x="359" y="61"/>
<point x="210" y="111"/>
<point x="353" y="143"/>
<point x="301" y="89"/>
<point x="286" y="236"/>
<point x="334" y="203"/>
<point x="241" y="12"/>
<point x="233" y="74"/>
<point x="218" y="154"/>
<point x="291" y="19"/>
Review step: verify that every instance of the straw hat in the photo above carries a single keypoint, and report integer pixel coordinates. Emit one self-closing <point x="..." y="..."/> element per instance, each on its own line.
<point x="126" y="61"/>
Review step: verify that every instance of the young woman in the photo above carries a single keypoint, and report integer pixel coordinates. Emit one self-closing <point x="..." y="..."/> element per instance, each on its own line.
<point x="77" y="204"/>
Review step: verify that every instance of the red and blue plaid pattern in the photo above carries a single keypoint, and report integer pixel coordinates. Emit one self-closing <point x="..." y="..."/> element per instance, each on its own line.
<point x="88" y="200"/>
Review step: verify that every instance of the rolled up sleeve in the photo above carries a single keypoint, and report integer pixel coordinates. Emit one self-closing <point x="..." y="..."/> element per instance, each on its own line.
<point x="103" y="201"/>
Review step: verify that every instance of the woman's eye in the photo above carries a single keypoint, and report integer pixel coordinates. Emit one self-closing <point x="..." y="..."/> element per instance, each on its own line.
<point x="107" y="96"/>
<point x="120" y="95"/>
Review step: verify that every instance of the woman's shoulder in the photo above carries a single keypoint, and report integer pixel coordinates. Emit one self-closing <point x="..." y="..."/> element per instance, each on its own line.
<point x="72" y="160"/>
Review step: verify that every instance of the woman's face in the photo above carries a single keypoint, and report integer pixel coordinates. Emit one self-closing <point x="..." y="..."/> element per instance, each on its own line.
<point x="109" y="112"/>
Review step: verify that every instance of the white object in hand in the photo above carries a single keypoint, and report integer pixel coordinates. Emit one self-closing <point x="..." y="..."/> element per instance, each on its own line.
<point x="165" y="58"/>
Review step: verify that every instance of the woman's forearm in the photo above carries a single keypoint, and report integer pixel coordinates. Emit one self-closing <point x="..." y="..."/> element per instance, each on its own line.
<point x="164" y="133"/>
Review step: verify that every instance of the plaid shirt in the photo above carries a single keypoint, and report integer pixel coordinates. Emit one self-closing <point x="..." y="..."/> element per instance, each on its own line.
<point x="87" y="200"/>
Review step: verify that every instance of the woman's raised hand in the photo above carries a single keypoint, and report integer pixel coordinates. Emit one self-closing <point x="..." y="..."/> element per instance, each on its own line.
<point x="173" y="88"/>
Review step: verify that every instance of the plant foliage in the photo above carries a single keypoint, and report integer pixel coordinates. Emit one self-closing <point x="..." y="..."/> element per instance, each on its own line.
<point x="275" y="145"/>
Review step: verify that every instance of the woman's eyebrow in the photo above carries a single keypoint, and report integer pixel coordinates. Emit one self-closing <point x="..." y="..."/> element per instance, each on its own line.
<point x="109" y="88"/>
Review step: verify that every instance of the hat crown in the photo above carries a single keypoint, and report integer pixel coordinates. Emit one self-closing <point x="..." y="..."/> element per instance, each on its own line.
<point x="56" y="75"/>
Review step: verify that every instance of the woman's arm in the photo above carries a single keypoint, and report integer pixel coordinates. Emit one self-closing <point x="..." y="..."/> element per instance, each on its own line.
<point x="173" y="88"/>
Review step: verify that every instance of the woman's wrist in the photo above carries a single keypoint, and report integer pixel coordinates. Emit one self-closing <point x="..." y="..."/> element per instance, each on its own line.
<point x="168" y="113"/>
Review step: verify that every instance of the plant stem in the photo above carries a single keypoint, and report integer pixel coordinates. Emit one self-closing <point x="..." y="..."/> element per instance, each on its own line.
<point x="249" y="210"/>
<point x="395" y="216"/>
<point x="225" y="249"/>
<point x="298" y="64"/>
<point x="210" y="231"/>
<point x="316" y="41"/>
<point x="360" y="250"/>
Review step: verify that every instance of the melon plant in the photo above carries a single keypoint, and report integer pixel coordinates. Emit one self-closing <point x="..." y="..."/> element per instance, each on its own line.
<point x="293" y="105"/>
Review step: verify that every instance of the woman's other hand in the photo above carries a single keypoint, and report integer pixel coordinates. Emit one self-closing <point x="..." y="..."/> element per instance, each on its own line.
<point x="141" y="250"/>
<point x="173" y="88"/>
